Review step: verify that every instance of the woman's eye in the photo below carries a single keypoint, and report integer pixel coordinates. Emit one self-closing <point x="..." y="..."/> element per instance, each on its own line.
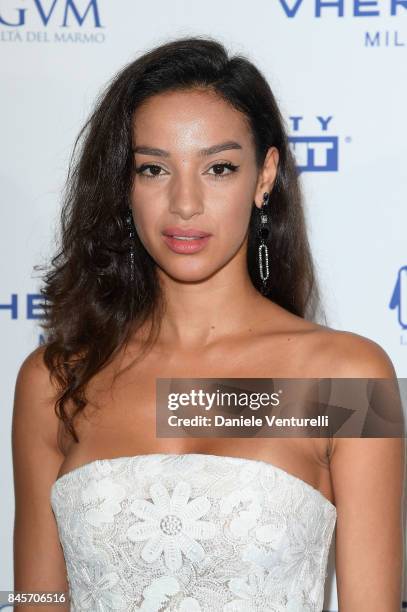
<point x="153" y="168"/>
<point x="219" y="169"/>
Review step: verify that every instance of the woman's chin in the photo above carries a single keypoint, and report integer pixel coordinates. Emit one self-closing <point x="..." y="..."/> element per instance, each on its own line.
<point x="194" y="275"/>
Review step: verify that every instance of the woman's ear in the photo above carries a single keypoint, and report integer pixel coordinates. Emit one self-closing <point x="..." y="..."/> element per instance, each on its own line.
<point x="267" y="176"/>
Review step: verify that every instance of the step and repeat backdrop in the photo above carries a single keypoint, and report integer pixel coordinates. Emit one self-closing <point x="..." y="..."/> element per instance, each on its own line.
<point x="337" y="68"/>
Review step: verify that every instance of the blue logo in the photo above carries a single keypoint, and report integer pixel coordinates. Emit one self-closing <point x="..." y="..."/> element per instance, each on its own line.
<point x="360" y="8"/>
<point x="314" y="153"/>
<point x="399" y="297"/>
<point x="61" y="13"/>
<point x="58" y="21"/>
<point x="365" y="11"/>
<point x="33" y="306"/>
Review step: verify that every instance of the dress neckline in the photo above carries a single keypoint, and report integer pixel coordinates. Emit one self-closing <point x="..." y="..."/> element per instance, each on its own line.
<point x="88" y="465"/>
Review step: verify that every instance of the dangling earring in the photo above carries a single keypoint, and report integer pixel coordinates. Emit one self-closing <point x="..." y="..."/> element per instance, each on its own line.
<point x="263" y="250"/>
<point x="129" y="222"/>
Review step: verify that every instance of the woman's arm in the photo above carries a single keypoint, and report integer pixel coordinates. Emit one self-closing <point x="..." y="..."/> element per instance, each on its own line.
<point x="368" y="480"/>
<point x="39" y="563"/>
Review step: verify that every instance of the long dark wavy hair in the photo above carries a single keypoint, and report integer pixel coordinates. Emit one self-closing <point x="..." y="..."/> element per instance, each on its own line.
<point x="91" y="307"/>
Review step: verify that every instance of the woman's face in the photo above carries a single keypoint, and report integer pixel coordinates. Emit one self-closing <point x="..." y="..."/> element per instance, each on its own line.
<point x="195" y="170"/>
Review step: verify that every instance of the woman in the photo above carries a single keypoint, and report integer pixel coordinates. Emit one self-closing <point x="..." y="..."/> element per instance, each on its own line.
<point x="161" y="274"/>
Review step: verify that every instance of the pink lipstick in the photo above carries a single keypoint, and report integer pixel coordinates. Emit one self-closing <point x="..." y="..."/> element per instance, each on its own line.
<point x="185" y="240"/>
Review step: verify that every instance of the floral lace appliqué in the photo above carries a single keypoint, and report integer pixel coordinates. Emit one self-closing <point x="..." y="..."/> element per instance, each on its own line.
<point x="171" y="525"/>
<point x="192" y="533"/>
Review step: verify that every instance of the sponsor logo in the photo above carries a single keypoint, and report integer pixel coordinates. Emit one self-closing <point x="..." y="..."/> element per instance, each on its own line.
<point x="45" y="21"/>
<point x="30" y="308"/>
<point x="364" y="11"/>
<point x="398" y="302"/>
<point x="344" y="8"/>
<point x="314" y="152"/>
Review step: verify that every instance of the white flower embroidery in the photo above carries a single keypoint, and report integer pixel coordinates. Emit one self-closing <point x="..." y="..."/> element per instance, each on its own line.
<point x="255" y="592"/>
<point x="98" y="591"/>
<point x="246" y="506"/>
<point x="189" y="604"/>
<point x="108" y="497"/>
<point x="301" y="559"/>
<point x="170" y="524"/>
<point x="249" y="472"/>
<point x="264" y="558"/>
<point x="275" y="563"/>
<point x="272" y="533"/>
<point x="156" y="595"/>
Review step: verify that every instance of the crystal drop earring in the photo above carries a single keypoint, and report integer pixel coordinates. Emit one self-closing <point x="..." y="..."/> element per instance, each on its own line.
<point x="130" y="227"/>
<point x="264" y="232"/>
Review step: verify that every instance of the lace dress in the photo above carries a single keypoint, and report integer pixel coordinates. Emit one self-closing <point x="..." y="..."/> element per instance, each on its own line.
<point x="192" y="533"/>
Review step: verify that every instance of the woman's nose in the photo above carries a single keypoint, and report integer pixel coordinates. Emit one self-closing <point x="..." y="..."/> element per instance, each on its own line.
<point x="186" y="197"/>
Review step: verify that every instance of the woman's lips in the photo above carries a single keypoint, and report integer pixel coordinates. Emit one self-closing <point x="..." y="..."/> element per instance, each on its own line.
<point x="186" y="245"/>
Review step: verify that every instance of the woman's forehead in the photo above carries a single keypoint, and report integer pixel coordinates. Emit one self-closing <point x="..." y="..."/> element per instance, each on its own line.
<point x="199" y="116"/>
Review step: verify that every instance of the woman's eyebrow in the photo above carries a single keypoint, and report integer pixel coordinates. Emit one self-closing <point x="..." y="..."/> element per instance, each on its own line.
<point x="223" y="146"/>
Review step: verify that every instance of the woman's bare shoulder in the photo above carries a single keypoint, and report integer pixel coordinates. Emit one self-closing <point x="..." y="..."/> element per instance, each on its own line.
<point x="353" y="355"/>
<point x="33" y="372"/>
<point x="34" y="397"/>
<point x="337" y="353"/>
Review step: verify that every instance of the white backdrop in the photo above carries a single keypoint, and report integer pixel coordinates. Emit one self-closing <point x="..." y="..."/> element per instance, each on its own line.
<point x="337" y="68"/>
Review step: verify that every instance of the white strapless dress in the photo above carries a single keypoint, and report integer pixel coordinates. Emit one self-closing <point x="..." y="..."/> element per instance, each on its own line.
<point x="192" y="533"/>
